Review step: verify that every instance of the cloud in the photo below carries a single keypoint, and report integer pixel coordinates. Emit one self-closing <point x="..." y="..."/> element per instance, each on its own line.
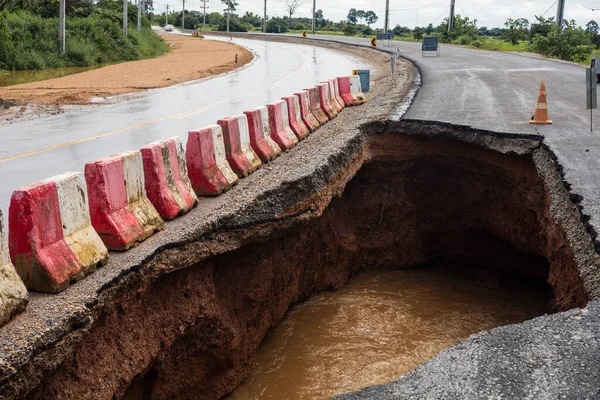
<point x="490" y="13"/>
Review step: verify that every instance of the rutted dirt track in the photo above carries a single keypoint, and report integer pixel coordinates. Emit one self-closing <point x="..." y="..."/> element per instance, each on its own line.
<point x="189" y="59"/>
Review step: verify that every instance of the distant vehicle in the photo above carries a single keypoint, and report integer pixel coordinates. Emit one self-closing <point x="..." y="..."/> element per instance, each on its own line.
<point x="169" y="28"/>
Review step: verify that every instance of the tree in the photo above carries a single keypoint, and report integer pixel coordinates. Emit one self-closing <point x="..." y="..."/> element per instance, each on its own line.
<point x="429" y="29"/>
<point x="214" y="18"/>
<point x="401" y="31"/>
<point x="319" y="20"/>
<point x="542" y="27"/>
<point x="371" y="17"/>
<point x="352" y="16"/>
<point x="515" y="30"/>
<point x="349" y="30"/>
<point x="360" y="14"/>
<point x="592" y="27"/>
<point x="463" y="26"/>
<point x="417" y="33"/>
<point x="292" y="6"/>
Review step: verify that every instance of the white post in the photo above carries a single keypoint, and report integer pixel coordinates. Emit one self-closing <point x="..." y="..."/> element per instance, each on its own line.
<point x="314" y="13"/>
<point x="139" y="21"/>
<point x="183" y="16"/>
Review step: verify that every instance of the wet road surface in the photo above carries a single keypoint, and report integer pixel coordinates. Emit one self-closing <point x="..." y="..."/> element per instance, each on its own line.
<point x="377" y="327"/>
<point x="39" y="149"/>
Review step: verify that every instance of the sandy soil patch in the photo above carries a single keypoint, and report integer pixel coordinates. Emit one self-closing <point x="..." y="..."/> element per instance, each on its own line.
<point x="189" y="59"/>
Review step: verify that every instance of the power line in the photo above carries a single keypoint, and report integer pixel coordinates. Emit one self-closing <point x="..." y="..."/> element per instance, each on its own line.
<point x="549" y="8"/>
<point x="584" y="6"/>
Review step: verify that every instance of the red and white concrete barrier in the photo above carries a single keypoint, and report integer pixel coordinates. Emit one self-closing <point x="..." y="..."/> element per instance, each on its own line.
<point x="52" y="242"/>
<point x="336" y="92"/>
<point x="242" y="159"/>
<point x="350" y="90"/>
<point x="166" y="178"/>
<point x="279" y="125"/>
<point x="325" y="99"/>
<point x="295" y="118"/>
<point x="315" y="105"/>
<point x="305" y="112"/>
<point x="335" y="103"/>
<point x="260" y="134"/>
<point x="13" y="294"/>
<point x="208" y="169"/>
<point x="120" y="210"/>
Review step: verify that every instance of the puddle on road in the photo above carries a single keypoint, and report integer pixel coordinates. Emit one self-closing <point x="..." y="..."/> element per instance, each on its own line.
<point x="379" y="326"/>
<point x="9" y="78"/>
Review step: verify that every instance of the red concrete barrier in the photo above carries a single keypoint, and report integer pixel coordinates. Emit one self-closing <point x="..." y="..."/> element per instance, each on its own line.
<point x="242" y="159"/>
<point x="336" y="92"/>
<point x="315" y="105"/>
<point x="208" y="169"/>
<point x="260" y="134"/>
<point x="295" y="117"/>
<point x="52" y="242"/>
<point x="166" y="178"/>
<point x="305" y="112"/>
<point x="13" y="294"/>
<point x="350" y="90"/>
<point x="120" y="210"/>
<point x="279" y="125"/>
<point x="325" y="99"/>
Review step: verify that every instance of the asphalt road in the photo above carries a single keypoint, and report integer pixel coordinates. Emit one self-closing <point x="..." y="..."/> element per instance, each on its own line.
<point x="38" y="149"/>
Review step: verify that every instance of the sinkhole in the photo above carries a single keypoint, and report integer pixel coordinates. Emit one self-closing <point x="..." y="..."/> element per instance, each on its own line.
<point x="436" y="239"/>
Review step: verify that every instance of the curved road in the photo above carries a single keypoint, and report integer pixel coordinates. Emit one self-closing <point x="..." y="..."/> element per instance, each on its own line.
<point x="39" y="149"/>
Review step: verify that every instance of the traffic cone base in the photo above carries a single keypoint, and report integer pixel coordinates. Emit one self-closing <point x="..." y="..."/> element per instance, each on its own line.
<point x="540" y="117"/>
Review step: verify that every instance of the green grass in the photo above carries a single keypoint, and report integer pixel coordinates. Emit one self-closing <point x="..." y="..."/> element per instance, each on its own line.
<point x="30" y="42"/>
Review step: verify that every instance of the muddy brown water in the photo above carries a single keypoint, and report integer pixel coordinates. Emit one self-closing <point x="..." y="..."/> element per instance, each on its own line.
<point x="379" y="326"/>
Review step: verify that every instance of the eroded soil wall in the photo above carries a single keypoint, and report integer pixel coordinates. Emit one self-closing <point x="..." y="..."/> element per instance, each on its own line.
<point x="193" y="333"/>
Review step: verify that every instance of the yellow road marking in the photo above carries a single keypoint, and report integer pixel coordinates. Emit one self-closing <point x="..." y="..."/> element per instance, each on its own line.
<point x="182" y="114"/>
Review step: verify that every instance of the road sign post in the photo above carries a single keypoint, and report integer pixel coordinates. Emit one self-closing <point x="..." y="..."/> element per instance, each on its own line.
<point x="373" y="42"/>
<point x="591" y="93"/>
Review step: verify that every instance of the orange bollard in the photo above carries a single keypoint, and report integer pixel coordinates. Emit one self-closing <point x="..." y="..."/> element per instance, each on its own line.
<point x="541" y="108"/>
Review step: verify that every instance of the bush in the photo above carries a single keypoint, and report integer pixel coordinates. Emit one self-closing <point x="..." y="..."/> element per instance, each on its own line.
<point x="487" y="44"/>
<point x="234" y="25"/>
<point x="300" y="27"/>
<point x="28" y="41"/>
<point x="463" y="40"/>
<point x="571" y="44"/>
<point x="277" y="25"/>
<point x="367" y="31"/>
<point x="349" y="30"/>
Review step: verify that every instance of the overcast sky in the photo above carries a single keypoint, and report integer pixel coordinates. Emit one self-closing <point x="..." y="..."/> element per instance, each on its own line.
<point x="490" y="13"/>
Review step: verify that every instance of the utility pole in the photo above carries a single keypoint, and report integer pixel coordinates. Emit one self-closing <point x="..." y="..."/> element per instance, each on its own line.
<point x="314" y="14"/>
<point x="61" y="27"/>
<point x="167" y="15"/>
<point x="183" y="16"/>
<point x="265" y="18"/>
<point x="204" y="14"/>
<point x="125" y="18"/>
<point x="139" y="21"/>
<point x="560" y="13"/>
<point x="228" y="12"/>
<point x="387" y="16"/>
<point x="451" y="19"/>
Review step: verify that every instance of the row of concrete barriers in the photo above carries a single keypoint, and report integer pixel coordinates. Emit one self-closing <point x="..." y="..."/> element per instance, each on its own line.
<point x="57" y="234"/>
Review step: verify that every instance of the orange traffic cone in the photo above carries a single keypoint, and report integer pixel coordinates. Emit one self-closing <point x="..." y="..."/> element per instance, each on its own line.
<point x="541" y="108"/>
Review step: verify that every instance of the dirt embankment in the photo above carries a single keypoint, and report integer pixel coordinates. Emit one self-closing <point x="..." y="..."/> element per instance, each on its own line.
<point x="189" y="59"/>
